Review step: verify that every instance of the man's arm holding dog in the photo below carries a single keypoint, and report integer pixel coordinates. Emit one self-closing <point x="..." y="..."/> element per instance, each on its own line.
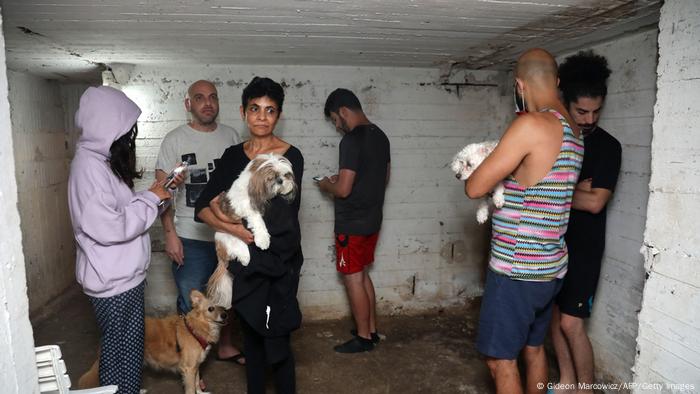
<point x="510" y="152"/>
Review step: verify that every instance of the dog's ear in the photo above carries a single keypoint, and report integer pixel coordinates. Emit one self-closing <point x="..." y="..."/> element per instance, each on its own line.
<point x="256" y="163"/>
<point x="196" y="297"/>
<point x="259" y="187"/>
<point x="291" y="194"/>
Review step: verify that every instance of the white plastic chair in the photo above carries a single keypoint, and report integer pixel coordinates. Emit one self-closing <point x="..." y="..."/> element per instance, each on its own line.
<point x="53" y="375"/>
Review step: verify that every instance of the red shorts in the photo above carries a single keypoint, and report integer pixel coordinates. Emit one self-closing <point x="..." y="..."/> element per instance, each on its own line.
<point x="354" y="252"/>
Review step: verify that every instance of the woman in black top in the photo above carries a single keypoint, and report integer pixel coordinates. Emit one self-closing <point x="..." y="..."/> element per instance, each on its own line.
<point x="264" y="292"/>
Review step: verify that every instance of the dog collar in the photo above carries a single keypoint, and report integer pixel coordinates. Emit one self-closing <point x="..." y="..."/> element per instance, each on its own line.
<point x="199" y="339"/>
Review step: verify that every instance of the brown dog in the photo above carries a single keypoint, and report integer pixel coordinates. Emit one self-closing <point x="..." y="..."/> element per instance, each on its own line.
<point x="176" y="343"/>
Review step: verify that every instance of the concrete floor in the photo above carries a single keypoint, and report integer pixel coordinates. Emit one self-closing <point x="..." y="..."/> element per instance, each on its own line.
<point x="432" y="353"/>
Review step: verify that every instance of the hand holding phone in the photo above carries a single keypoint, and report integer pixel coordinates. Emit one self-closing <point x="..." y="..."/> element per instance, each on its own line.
<point x="318" y="178"/>
<point x="177" y="170"/>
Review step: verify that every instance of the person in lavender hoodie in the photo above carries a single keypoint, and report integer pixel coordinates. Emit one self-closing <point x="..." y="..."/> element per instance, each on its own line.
<point x="110" y="223"/>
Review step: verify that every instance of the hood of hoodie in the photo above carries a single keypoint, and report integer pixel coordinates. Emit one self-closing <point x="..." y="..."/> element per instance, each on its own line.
<point x="104" y="115"/>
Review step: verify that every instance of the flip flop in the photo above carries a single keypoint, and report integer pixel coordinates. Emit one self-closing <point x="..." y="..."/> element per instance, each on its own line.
<point x="237" y="359"/>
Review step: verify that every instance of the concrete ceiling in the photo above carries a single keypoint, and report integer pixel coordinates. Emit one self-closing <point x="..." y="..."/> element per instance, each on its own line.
<point x="71" y="39"/>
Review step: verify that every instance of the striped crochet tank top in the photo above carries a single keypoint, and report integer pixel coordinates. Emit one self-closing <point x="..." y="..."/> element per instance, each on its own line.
<point x="528" y="231"/>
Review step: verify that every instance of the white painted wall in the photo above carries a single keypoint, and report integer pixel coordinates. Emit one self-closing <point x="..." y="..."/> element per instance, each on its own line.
<point x="17" y="371"/>
<point x="43" y="137"/>
<point x="627" y="115"/>
<point x="669" y="329"/>
<point x="426" y="211"/>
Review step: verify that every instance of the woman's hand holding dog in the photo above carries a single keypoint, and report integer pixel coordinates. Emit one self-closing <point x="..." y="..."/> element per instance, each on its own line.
<point x="239" y="231"/>
<point x="215" y="207"/>
<point x="233" y="227"/>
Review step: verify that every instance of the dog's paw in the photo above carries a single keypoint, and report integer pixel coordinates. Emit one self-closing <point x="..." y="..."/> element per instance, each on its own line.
<point x="262" y="240"/>
<point x="499" y="197"/>
<point x="499" y="200"/>
<point x="243" y="255"/>
<point x="482" y="214"/>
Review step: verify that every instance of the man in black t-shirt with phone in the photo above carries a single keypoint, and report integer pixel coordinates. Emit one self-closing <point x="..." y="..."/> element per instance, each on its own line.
<point x="583" y="83"/>
<point x="358" y="189"/>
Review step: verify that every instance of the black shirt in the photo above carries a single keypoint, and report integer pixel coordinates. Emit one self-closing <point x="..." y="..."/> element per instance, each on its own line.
<point x="601" y="163"/>
<point x="364" y="150"/>
<point x="272" y="277"/>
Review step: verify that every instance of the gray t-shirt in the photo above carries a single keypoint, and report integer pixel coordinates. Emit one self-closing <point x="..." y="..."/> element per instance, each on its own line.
<point x="203" y="150"/>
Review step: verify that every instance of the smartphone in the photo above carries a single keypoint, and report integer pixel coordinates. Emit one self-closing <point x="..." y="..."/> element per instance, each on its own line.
<point x="171" y="177"/>
<point x="318" y="178"/>
<point x="180" y="168"/>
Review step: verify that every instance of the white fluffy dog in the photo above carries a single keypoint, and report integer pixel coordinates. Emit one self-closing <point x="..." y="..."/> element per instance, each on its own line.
<point x="466" y="161"/>
<point x="265" y="177"/>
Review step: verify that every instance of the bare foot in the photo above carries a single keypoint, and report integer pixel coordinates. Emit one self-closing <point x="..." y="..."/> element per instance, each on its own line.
<point x="236" y="358"/>
<point x="227" y="351"/>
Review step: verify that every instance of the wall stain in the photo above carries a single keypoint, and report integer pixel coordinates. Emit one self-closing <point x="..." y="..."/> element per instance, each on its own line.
<point x="235" y="83"/>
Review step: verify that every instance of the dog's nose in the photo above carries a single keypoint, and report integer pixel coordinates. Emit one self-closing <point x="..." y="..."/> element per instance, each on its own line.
<point x="457" y="176"/>
<point x="224" y="316"/>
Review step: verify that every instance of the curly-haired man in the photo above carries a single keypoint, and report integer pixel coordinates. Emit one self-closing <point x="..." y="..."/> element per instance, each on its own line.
<point x="583" y="82"/>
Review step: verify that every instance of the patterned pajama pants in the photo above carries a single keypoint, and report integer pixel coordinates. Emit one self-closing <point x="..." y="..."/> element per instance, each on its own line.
<point x="121" y="321"/>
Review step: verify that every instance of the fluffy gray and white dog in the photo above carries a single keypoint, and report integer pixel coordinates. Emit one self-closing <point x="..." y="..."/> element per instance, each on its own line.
<point x="265" y="177"/>
<point x="465" y="162"/>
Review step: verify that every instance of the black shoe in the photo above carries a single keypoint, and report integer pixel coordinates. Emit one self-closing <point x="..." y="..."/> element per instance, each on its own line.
<point x="355" y="345"/>
<point x="373" y="335"/>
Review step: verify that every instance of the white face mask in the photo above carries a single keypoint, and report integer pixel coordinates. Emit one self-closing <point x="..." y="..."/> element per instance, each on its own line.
<point x="519" y="101"/>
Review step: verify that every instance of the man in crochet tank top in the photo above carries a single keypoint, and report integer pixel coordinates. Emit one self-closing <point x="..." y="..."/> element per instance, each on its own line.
<point x="538" y="159"/>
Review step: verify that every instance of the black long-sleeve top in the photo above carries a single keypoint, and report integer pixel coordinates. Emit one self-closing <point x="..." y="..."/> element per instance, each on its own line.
<point x="272" y="277"/>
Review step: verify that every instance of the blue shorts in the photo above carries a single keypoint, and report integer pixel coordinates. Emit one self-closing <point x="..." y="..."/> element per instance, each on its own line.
<point x="514" y="313"/>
